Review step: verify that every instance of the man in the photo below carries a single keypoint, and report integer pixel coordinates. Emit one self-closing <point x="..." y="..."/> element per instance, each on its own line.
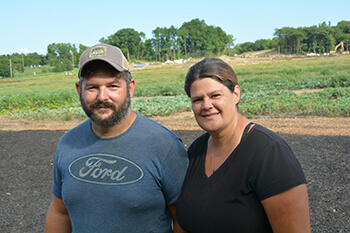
<point x="118" y="171"/>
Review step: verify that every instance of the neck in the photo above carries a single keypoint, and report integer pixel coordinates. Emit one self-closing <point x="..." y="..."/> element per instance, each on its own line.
<point x="230" y="135"/>
<point x="113" y="131"/>
<point x="220" y="146"/>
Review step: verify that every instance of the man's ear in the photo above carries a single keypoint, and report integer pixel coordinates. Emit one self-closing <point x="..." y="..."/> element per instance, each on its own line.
<point x="77" y="86"/>
<point x="132" y="86"/>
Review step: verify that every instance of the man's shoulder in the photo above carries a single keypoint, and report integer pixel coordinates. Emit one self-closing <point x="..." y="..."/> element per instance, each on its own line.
<point x="77" y="131"/>
<point x="150" y="127"/>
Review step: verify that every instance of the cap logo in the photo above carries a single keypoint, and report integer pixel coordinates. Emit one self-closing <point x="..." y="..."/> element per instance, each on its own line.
<point x="99" y="51"/>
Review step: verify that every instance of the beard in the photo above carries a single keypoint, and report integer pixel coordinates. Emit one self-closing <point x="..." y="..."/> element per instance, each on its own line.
<point x="115" y="118"/>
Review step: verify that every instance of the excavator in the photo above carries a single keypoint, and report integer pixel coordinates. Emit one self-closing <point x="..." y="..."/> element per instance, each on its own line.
<point x="336" y="47"/>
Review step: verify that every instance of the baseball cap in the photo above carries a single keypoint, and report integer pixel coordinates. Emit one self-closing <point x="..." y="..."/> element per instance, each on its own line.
<point x="104" y="52"/>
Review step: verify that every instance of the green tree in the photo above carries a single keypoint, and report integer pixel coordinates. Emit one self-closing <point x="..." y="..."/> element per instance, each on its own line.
<point x="230" y="44"/>
<point x="343" y="29"/>
<point x="59" y="55"/>
<point x="140" y="47"/>
<point x="33" y="59"/>
<point x="215" y="41"/>
<point x="173" y="35"/>
<point x="310" y="39"/>
<point x="157" y="42"/>
<point x="5" y="66"/>
<point x="193" y="33"/>
<point x="297" y="35"/>
<point x="245" y="47"/>
<point x="17" y="62"/>
<point x="148" y="52"/>
<point x="126" y="39"/>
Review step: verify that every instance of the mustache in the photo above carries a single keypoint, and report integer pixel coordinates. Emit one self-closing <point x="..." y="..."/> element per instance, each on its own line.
<point x="103" y="104"/>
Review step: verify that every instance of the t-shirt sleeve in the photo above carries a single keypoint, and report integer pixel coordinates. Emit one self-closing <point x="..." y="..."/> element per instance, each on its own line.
<point x="173" y="172"/>
<point x="276" y="170"/>
<point x="57" y="181"/>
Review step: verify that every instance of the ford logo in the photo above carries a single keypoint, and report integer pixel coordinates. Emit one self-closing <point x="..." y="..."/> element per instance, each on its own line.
<point x="105" y="169"/>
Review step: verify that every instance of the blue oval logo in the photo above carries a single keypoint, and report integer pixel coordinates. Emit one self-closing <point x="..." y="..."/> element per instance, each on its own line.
<point x="105" y="169"/>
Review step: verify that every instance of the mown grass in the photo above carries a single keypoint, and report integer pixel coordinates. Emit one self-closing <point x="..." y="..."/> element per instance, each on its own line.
<point x="267" y="90"/>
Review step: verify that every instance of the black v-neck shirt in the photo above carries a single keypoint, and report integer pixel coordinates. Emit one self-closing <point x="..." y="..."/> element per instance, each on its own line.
<point x="261" y="166"/>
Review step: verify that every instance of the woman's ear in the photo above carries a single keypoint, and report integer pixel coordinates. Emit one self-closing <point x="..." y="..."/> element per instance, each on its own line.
<point x="237" y="94"/>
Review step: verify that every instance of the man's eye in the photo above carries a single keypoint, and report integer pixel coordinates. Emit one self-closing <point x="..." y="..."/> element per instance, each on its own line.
<point x="113" y="86"/>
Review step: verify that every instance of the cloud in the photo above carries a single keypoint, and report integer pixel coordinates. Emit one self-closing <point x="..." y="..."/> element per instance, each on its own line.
<point x="24" y="51"/>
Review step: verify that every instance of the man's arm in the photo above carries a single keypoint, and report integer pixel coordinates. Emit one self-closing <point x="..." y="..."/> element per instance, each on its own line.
<point x="288" y="212"/>
<point x="177" y="228"/>
<point x="57" y="219"/>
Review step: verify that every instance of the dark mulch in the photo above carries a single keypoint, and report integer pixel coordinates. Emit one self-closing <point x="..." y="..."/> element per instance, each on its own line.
<point x="27" y="162"/>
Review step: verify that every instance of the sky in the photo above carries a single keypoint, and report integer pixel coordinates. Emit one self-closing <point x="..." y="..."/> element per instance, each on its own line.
<point x="30" y="26"/>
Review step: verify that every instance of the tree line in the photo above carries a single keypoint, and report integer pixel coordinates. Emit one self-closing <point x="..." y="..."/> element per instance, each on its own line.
<point x="315" y="39"/>
<point x="193" y="39"/>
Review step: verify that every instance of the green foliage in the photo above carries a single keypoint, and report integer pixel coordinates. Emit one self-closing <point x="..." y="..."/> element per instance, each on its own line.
<point x="62" y="65"/>
<point x="4" y="67"/>
<point x="37" y="100"/>
<point x="127" y="39"/>
<point x="160" y="91"/>
<point x="267" y="90"/>
<point x="315" y="39"/>
<point x="161" y="105"/>
<point x="193" y="39"/>
<point x="331" y="102"/>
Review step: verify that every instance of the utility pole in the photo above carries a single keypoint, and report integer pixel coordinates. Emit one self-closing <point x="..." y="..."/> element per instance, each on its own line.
<point x="22" y="60"/>
<point x="72" y="59"/>
<point x="11" y="68"/>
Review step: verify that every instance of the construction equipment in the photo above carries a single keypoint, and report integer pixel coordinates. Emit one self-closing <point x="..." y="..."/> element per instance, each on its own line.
<point x="336" y="47"/>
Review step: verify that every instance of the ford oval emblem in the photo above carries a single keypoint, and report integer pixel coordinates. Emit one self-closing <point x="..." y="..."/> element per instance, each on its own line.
<point x="105" y="169"/>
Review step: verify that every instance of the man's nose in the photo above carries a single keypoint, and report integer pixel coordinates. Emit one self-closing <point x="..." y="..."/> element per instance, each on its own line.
<point x="102" y="94"/>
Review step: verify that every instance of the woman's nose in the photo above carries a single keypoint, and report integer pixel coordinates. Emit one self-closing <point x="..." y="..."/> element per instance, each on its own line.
<point x="207" y="104"/>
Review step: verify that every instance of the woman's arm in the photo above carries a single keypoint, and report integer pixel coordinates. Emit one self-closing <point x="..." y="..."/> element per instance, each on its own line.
<point x="172" y="211"/>
<point x="288" y="212"/>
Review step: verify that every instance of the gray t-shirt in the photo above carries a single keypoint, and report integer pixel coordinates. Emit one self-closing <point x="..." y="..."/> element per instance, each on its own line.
<point x="120" y="184"/>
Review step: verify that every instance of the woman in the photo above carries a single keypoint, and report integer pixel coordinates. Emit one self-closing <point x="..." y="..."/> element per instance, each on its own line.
<point x="242" y="177"/>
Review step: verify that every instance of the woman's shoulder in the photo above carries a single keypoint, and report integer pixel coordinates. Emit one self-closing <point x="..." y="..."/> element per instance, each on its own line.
<point x="201" y="139"/>
<point x="199" y="144"/>
<point x="263" y="132"/>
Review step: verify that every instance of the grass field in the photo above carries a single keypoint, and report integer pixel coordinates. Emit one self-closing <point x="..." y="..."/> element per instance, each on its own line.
<point x="267" y="90"/>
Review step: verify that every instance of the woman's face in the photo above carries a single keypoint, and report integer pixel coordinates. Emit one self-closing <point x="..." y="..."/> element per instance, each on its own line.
<point x="213" y="104"/>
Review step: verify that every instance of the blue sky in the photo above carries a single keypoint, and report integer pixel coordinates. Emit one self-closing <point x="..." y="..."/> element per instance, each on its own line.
<point x="30" y="26"/>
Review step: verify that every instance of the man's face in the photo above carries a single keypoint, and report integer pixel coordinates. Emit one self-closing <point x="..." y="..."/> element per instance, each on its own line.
<point x="105" y="99"/>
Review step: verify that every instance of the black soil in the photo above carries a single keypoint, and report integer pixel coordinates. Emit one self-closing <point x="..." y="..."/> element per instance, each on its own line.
<point x="27" y="163"/>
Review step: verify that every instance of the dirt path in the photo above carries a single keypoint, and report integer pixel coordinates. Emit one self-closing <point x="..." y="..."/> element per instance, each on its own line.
<point x="27" y="158"/>
<point x="186" y="121"/>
